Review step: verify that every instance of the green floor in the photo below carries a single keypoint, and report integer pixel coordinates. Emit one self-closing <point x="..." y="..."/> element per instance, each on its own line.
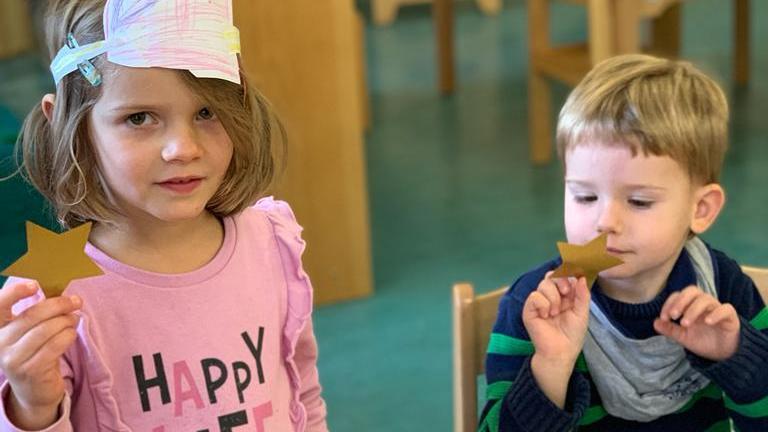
<point x="453" y="197"/>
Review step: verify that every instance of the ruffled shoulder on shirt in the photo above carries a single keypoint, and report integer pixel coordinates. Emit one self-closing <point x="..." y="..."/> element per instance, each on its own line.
<point x="291" y="247"/>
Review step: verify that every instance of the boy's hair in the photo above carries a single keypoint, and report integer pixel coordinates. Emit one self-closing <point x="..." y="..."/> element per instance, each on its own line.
<point x="656" y="106"/>
<point x="59" y="160"/>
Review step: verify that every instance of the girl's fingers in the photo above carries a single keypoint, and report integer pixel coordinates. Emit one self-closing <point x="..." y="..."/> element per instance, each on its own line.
<point x="669" y="329"/>
<point x="33" y="340"/>
<point x="11" y="294"/>
<point x="52" y="349"/>
<point x="40" y="312"/>
<point x="699" y="305"/>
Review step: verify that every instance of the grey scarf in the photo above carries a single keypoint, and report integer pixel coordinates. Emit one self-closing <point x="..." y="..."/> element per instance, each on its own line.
<point x="645" y="379"/>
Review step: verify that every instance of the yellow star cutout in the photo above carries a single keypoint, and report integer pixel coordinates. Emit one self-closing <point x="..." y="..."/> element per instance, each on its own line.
<point x="587" y="260"/>
<point x="54" y="259"/>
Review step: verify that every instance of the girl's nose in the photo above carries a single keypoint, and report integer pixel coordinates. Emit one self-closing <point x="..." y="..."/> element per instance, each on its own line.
<point x="183" y="145"/>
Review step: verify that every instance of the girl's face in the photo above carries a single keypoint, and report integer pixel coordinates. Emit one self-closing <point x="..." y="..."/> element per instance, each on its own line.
<point x="645" y="204"/>
<point x="163" y="153"/>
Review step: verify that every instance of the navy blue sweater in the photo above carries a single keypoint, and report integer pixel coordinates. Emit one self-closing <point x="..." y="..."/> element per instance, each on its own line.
<point x="738" y="391"/>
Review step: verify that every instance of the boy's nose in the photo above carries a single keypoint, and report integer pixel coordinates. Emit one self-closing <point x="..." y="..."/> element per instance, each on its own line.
<point x="182" y="146"/>
<point x="609" y="219"/>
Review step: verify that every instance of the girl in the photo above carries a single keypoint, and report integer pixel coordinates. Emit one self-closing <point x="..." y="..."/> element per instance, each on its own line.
<point x="201" y="320"/>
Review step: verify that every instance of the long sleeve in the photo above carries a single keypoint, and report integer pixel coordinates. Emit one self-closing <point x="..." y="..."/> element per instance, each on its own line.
<point x="310" y="393"/>
<point x="514" y="400"/>
<point x="743" y="377"/>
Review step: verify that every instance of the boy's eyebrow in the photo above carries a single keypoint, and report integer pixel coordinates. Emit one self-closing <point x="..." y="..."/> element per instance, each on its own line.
<point x="640" y="186"/>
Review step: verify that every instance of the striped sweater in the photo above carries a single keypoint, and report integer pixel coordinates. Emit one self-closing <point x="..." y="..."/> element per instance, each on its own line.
<point x="736" y="399"/>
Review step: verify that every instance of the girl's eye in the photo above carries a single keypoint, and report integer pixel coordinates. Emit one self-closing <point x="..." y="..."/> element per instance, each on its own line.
<point x="639" y="203"/>
<point x="205" y="114"/>
<point x="138" y="119"/>
<point x="585" y="199"/>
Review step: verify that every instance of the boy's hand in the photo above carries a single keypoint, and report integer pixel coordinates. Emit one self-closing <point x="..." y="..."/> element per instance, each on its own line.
<point x="707" y="328"/>
<point x="556" y="317"/>
<point x="30" y="347"/>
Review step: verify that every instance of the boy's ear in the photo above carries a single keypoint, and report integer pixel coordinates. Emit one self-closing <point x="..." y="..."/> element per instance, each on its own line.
<point x="709" y="200"/>
<point x="47" y="105"/>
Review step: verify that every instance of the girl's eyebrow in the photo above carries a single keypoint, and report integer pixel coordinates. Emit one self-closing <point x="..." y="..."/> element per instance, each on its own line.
<point x="135" y="107"/>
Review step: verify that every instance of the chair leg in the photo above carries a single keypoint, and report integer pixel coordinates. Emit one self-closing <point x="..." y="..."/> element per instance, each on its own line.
<point x="741" y="41"/>
<point x="539" y="112"/>
<point x="665" y="32"/>
<point x="489" y="7"/>
<point x="442" y="16"/>
<point x="384" y="11"/>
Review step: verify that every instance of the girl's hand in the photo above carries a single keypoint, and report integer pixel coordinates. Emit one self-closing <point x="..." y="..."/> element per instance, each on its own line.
<point x="30" y="347"/>
<point x="556" y="317"/>
<point x="707" y="328"/>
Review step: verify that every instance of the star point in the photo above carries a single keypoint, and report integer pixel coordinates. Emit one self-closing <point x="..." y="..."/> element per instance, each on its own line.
<point x="586" y="260"/>
<point x="54" y="259"/>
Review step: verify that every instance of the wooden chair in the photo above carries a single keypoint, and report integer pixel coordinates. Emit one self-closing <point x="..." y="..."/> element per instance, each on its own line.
<point x="614" y="28"/>
<point x="473" y="319"/>
<point x="385" y="11"/>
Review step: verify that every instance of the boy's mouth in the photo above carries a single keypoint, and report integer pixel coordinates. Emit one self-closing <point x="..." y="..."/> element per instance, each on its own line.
<point x="615" y="251"/>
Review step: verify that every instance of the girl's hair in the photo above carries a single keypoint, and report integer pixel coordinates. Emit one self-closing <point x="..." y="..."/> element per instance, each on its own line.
<point x="60" y="161"/>
<point x="652" y="105"/>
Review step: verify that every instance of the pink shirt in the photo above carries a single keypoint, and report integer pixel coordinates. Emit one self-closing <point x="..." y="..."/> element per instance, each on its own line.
<point x="224" y="346"/>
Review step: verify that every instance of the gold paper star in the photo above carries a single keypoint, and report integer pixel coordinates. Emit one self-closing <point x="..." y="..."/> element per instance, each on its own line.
<point x="54" y="259"/>
<point x="587" y="260"/>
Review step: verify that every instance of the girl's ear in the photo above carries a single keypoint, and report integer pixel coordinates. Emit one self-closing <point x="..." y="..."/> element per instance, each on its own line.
<point x="47" y="105"/>
<point x="709" y="200"/>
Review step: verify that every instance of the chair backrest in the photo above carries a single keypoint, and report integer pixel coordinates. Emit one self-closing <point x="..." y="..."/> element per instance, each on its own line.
<point x="473" y="319"/>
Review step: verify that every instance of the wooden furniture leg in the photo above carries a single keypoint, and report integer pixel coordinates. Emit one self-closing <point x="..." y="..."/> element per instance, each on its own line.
<point x="442" y="16"/>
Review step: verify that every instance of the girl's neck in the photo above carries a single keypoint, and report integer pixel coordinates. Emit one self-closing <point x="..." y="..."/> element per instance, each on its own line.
<point x="161" y="247"/>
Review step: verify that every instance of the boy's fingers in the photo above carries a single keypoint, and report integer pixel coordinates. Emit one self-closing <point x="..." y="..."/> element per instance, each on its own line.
<point x="664" y="314"/>
<point x="669" y="329"/>
<point x="725" y="313"/>
<point x="698" y="306"/>
<point x="682" y="301"/>
<point x="551" y="292"/>
<point x="10" y="295"/>
<point x="538" y="305"/>
<point x="581" y="296"/>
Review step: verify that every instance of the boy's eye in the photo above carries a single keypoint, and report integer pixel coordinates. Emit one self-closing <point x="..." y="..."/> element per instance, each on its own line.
<point x="640" y="203"/>
<point x="585" y="199"/>
<point x="205" y="114"/>
<point x="138" y="119"/>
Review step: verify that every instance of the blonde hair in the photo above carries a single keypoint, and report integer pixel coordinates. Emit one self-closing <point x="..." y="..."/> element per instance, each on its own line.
<point x="59" y="160"/>
<point x="657" y="106"/>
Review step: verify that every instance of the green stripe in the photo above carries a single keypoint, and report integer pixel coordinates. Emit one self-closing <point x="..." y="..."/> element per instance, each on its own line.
<point x="755" y="409"/>
<point x="491" y="421"/>
<point x="507" y="345"/>
<point x="497" y="390"/>
<point x="581" y="363"/>
<point x="721" y="426"/>
<point x="592" y="414"/>
<point x="711" y="391"/>
<point x="760" y="321"/>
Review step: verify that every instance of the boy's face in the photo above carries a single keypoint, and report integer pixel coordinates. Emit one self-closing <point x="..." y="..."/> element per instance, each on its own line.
<point x="645" y="204"/>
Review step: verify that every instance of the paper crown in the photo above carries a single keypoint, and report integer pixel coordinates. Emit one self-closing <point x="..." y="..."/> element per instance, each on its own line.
<point x="194" y="35"/>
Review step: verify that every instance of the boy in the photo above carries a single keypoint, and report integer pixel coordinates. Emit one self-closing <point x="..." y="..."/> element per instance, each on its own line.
<point x="675" y="337"/>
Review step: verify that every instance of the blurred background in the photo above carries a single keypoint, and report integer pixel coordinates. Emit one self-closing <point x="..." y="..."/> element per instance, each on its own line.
<point x="420" y="155"/>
